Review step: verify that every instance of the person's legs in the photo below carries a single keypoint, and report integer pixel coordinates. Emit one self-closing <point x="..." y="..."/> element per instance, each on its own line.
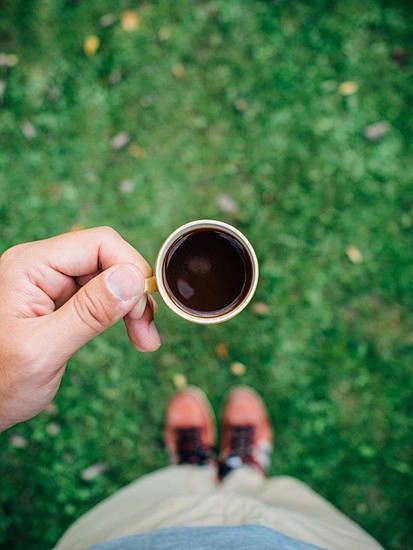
<point x="185" y="494"/>
<point x="290" y="506"/>
<point x="153" y="501"/>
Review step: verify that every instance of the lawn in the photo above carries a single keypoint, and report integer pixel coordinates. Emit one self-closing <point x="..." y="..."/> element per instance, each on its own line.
<point x="291" y="120"/>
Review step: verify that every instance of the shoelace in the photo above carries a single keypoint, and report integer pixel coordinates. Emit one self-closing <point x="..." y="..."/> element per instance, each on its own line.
<point x="241" y="450"/>
<point x="241" y="442"/>
<point x="190" y="448"/>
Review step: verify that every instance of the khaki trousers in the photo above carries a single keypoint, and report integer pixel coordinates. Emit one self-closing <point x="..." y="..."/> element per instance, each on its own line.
<point x="189" y="496"/>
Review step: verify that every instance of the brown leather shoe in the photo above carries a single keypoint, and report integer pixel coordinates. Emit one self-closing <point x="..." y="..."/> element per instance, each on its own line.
<point x="190" y="428"/>
<point x="246" y="432"/>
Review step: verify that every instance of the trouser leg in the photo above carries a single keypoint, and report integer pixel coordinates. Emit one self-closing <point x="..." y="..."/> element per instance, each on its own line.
<point x="147" y="503"/>
<point x="295" y="509"/>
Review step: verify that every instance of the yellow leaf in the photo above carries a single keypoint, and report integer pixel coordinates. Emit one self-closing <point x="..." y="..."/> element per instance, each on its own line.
<point x="238" y="369"/>
<point x="261" y="309"/>
<point x="348" y="88"/>
<point x="137" y="151"/>
<point x="180" y="381"/>
<point x="354" y="254"/>
<point x="222" y="350"/>
<point x="91" y="45"/>
<point x="179" y="71"/>
<point x="130" y="21"/>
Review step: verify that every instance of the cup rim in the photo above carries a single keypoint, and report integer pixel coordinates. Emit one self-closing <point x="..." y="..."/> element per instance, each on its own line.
<point x="183" y="230"/>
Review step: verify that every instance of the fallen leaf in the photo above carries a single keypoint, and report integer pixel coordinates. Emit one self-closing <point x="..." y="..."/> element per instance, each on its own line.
<point x="90" y="473"/>
<point x="354" y="254"/>
<point x="180" y="381"/>
<point x="178" y="71"/>
<point x="375" y="131"/>
<point x="126" y="187"/>
<point x="348" y="88"/>
<point x="91" y="45"/>
<point x="261" y="309"/>
<point x="237" y="368"/>
<point x="108" y="20"/>
<point x="137" y="151"/>
<point x="52" y="409"/>
<point x="120" y="140"/>
<point x="222" y="350"/>
<point x="8" y="59"/>
<point x="130" y="21"/>
<point x="53" y="429"/>
<point x="227" y="204"/>
<point x="18" y="442"/>
<point x="29" y="131"/>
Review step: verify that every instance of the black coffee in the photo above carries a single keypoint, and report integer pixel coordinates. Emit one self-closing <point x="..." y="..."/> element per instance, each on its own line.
<point x="207" y="272"/>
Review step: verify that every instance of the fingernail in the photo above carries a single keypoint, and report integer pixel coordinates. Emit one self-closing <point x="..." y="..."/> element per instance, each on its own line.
<point x="152" y="303"/>
<point x="139" y="309"/>
<point x="154" y="334"/>
<point x="124" y="283"/>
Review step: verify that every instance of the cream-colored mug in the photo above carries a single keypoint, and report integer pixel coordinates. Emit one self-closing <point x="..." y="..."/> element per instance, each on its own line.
<point x="206" y="272"/>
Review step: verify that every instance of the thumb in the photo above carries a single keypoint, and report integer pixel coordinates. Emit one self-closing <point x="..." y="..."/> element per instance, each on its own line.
<point x="99" y="304"/>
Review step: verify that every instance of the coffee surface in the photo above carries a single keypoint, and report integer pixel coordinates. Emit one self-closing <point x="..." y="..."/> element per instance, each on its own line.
<point x="207" y="272"/>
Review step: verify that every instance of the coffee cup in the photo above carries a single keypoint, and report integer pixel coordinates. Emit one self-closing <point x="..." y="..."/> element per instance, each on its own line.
<point x="206" y="272"/>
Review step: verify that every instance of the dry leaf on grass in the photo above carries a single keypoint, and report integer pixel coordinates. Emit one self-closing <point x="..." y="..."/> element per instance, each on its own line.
<point x="261" y="309"/>
<point x="180" y="381"/>
<point x="227" y="204"/>
<point x="52" y="409"/>
<point x="8" y="59"/>
<point x="91" y="45"/>
<point x="130" y="21"/>
<point x="18" y="442"/>
<point x="179" y="71"/>
<point x="90" y="473"/>
<point x="354" y="254"/>
<point x="107" y="20"/>
<point x="348" y="88"/>
<point x="126" y="187"/>
<point x="137" y="151"/>
<point x="29" y="131"/>
<point x="120" y="140"/>
<point x="375" y="131"/>
<point x="238" y="369"/>
<point x="222" y="350"/>
<point x="53" y="429"/>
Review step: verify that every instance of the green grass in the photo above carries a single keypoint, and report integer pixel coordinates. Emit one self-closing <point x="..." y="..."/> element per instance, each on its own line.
<point x="256" y="114"/>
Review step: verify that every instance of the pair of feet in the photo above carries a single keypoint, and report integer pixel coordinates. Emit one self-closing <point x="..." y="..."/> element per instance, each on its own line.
<point x="246" y="433"/>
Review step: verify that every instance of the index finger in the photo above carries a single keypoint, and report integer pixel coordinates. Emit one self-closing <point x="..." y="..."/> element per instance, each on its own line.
<point x="87" y="251"/>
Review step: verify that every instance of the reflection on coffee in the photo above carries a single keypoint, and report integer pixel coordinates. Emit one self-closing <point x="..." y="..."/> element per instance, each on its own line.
<point x="207" y="272"/>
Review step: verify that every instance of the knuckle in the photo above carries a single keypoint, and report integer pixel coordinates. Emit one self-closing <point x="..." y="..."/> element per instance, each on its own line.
<point x="108" y="231"/>
<point x="14" y="252"/>
<point x="92" y="311"/>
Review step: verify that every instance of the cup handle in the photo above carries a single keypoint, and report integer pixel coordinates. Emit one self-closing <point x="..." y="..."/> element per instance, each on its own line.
<point x="150" y="285"/>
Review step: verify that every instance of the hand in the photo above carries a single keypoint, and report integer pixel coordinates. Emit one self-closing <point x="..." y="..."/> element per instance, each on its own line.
<point x="56" y="295"/>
